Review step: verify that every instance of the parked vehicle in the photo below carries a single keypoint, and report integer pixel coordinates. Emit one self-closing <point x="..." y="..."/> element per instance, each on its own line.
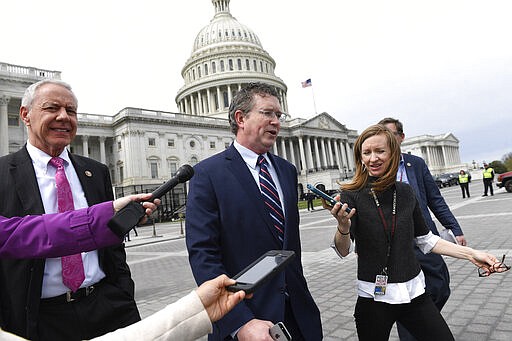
<point x="447" y="180"/>
<point x="505" y="180"/>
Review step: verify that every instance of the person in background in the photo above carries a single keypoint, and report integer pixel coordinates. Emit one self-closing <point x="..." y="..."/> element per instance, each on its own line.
<point x="39" y="300"/>
<point x="488" y="177"/>
<point x="384" y="221"/>
<point x="414" y="171"/>
<point x="464" y="180"/>
<point x="242" y="203"/>
<point x="310" y="197"/>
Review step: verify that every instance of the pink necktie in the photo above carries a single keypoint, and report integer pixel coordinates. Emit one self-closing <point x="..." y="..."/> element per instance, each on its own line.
<point x="72" y="266"/>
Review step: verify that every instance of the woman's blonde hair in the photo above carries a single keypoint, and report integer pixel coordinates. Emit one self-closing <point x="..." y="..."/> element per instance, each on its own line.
<point x="361" y="175"/>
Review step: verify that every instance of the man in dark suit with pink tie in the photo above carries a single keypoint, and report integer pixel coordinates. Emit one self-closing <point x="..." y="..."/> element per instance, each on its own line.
<point x="35" y="303"/>
<point x="230" y="221"/>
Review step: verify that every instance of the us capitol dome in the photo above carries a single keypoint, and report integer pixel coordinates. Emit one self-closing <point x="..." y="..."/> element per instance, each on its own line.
<point x="225" y="56"/>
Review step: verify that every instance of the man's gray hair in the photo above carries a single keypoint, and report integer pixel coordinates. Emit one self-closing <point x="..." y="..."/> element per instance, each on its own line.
<point x="28" y="96"/>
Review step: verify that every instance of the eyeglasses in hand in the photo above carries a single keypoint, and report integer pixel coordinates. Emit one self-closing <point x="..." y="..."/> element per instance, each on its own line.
<point x="496" y="267"/>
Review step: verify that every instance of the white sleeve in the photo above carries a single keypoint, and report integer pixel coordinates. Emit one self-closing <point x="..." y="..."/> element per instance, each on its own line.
<point x="186" y="319"/>
<point x="426" y="242"/>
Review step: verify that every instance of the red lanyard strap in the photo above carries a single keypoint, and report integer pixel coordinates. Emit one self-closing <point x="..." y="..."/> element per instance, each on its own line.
<point x="389" y="233"/>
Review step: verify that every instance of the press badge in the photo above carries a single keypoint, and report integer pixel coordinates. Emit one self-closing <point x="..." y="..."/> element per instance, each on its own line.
<point x="381" y="281"/>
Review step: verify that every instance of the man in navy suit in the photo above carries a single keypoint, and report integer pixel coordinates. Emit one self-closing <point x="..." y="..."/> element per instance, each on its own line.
<point x="414" y="171"/>
<point x="228" y="225"/>
<point x="35" y="303"/>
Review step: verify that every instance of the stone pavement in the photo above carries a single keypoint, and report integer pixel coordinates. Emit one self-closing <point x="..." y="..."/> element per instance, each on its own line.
<point x="478" y="308"/>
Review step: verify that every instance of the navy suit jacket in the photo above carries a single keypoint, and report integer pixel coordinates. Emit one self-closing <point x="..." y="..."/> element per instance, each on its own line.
<point x="429" y="196"/>
<point x="228" y="227"/>
<point x="437" y="277"/>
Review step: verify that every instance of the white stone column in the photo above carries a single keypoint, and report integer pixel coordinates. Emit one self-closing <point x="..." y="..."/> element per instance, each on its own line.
<point x="85" y="145"/>
<point x="324" y="156"/>
<point x="292" y="152"/>
<point x="337" y="153"/>
<point x="274" y="148"/>
<point x="103" y="158"/>
<point x="317" y="152"/>
<point x="283" y="149"/>
<point x="429" y="158"/>
<point x="4" y="125"/>
<point x="329" y="150"/>
<point x="209" y="101"/>
<point x="192" y="105"/>
<point x="350" y="156"/>
<point x="343" y="152"/>
<point x="219" y="99"/>
<point x="302" y="160"/>
<point x="200" y="110"/>
<point x="309" y="154"/>
<point x="229" y="94"/>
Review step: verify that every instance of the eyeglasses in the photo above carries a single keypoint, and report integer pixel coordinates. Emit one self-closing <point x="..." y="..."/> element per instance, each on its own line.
<point x="496" y="267"/>
<point x="281" y="116"/>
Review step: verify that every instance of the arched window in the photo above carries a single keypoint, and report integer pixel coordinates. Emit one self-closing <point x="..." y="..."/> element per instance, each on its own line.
<point x="214" y="69"/>
<point x="239" y="64"/>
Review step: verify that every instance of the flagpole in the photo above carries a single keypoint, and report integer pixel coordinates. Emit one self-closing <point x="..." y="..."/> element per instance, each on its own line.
<point x="314" y="103"/>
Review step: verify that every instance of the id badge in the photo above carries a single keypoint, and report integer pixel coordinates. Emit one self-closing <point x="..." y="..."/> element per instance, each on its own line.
<point x="381" y="281"/>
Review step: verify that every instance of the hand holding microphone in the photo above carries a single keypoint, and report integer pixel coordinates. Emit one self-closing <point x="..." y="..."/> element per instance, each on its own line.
<point x="126" y="218"/>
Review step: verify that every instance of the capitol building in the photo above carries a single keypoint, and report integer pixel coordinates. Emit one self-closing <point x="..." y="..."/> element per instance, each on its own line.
<point x="144" y="148"/>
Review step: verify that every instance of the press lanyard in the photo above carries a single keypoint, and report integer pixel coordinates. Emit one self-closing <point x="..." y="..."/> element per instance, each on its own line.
<point x="389" y="232"/>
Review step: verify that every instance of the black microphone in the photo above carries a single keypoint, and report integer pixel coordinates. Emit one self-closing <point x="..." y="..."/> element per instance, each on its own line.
<point x="127" y="217"/>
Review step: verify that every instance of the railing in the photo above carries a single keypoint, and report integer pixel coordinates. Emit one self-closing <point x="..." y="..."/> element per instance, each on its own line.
<point x="27" y="72"/>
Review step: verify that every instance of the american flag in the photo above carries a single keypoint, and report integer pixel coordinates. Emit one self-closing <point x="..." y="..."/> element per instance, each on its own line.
<point x="306" y="83"/>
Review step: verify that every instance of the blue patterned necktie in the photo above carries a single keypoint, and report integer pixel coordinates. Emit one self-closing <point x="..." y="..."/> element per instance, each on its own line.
<point x="271" y="197"/>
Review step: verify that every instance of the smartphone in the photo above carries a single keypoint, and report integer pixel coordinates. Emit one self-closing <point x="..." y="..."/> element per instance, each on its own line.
<point x="279" y="332"/>
<point x="326" y="196"/>
<point x="261" y="270"/>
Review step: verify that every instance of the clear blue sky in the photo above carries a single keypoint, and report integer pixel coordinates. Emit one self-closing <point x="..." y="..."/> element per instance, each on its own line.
<point x="438" y="66"/>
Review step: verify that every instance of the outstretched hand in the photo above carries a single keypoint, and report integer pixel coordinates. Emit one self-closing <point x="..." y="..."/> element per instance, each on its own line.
<point x="150" y="207"/>
<point x="216" y="299"/>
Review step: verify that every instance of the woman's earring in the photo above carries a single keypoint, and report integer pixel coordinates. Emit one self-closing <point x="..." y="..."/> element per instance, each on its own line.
<point x="364" y="167"/>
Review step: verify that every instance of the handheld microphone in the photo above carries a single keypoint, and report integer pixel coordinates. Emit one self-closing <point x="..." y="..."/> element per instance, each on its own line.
<point x="126" y="218"/>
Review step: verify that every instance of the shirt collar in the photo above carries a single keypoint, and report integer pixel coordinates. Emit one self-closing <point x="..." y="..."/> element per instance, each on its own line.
<point x="41" y="159"/>
<point x="250" y="157"/>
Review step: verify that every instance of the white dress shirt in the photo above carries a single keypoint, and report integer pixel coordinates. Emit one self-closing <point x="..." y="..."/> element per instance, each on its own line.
<point x="45" y="174"/>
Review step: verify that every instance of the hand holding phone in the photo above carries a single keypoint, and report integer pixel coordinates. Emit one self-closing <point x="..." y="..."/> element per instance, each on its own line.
<point x="261" y="270"/>
<point x="326" y="196"/>
<point x="279" y="332"/>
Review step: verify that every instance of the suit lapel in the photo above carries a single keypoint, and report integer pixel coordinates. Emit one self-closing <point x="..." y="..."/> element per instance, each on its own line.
<point x="87" y="180"/>
<point x="237" y="166"/>
<point x="25" y="182"/>
<point x="411" y="174"/>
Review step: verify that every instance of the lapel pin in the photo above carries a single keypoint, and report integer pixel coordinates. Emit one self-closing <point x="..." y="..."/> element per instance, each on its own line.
<point x="408" y="164"/>
<point x="88" y="173"/>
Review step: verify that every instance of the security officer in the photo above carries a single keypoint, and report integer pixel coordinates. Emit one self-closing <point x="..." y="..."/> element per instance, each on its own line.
<point x="488" y="179"/>
<point x="464" y="180"/>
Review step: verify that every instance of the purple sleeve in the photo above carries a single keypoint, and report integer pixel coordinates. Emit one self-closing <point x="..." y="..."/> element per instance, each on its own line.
<point x="56" y="235"/>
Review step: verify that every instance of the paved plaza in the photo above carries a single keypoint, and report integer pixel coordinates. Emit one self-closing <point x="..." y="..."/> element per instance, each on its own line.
<point x="478" y="309"/>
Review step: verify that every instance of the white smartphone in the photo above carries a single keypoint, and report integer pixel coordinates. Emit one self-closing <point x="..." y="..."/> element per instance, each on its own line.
<point x="279" y="332"/>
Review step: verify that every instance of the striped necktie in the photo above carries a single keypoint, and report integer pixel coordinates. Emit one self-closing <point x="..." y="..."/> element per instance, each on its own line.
<point x="72" y="266"/>
<point x="271" y="197"/>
